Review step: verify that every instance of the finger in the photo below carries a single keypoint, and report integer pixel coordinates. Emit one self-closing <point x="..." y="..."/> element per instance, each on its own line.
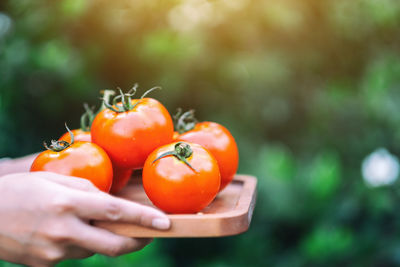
<point x="24" y="163"/>
<point x="104" y="242"/>
<point x="69" y="181"/>
<point x="75" y="252"/>
<point x="10" y="166"/>
<point x="104" y="207"/>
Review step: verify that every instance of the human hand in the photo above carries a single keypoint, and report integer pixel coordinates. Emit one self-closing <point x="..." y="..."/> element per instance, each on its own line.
<point x="23" y="164"/>
<point x="45" y="218"/>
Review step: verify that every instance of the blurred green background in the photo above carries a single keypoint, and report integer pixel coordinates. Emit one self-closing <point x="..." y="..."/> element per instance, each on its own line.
<point x="308" y="88"/>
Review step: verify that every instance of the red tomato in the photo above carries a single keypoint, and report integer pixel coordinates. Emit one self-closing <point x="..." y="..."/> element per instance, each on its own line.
<point x="79" y="135"/>
<point x="181" y="178"/>
<point x="80" y="159"/>
<point x="120" y="176"/>
<point x="220" y="143"/>
<point x="129" y="136"/>
<point x="121" y="179"/>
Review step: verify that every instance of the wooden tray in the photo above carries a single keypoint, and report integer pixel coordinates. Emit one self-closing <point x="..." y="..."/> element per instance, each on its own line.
<point x="229" y="214"/>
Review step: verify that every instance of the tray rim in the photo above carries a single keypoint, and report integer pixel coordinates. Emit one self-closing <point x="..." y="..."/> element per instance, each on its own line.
<point x="226" y="223"/>
<point x="243" y="201"/>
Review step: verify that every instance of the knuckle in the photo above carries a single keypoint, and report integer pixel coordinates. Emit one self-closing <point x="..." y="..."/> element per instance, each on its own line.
<point x="57" y="232"/>
<point x="61" y="204"/>
<point x="86" y="184"/>
<point x="116" y="250"/>
<point x="113" y="211"/>
<point x="127" y="245"/>
<point x="144" y="217"/>
<point x="51" y="256"/>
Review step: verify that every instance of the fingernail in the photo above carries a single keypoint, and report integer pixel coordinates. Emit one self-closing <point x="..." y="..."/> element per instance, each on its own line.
<point x="160" y="223"/>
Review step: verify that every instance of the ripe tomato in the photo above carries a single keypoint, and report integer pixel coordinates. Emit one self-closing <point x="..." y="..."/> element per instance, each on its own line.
<point x="130" y="130"/>
<point x="181" y="178"/>
<point x="79" y="134"/>
<point x="216" y="139"/>
<point x="121" y="178"/>
<point x="81" y="159"/>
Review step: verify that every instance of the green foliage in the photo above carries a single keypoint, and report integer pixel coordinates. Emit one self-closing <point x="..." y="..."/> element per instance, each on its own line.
<point x="324" y="175"/>
<point x="73" y="8"/>
<point x="308" y="88"/>
<point x="328" y="243"/>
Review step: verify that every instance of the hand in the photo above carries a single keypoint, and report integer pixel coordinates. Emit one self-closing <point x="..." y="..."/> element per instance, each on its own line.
<point x="23" y="164"/>
<point x="44" y="218"/>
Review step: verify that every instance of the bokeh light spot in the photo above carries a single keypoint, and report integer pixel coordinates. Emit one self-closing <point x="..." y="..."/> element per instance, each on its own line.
<point x="5" y="24"/>
<point x="380" y="168"/>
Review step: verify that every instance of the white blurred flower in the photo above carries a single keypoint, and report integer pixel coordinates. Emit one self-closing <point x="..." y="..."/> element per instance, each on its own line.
<point x="380" y="168"/>
<point x="5" y="24"/>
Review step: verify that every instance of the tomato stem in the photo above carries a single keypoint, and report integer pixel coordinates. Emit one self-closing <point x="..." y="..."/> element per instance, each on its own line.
<point x="60" y="145"/>
<point x="87" y="118"/>
<point x="145" y="94"/>
<point x="181" y="151"/>
<point x="89" y="115"/>
<point x="106" y="94"/>
<point x="184" y="122"/>
<point x="123" y="102"/>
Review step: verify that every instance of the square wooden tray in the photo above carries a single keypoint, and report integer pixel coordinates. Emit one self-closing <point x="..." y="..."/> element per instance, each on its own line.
<point x="229" y="214"/>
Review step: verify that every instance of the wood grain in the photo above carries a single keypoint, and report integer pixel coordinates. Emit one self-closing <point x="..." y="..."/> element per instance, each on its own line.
<point x="229" y="214"/>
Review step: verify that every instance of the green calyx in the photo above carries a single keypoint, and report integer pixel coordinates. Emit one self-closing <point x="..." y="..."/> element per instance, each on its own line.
<point x="106" y="96"/>
<point x="123" y="101"/>
<point x="87" y="118"/>
<point x="184" y="121"/>
<point x="60" y="145"/>
<point x="181" y="151"/>
<point x="89" y="115"/>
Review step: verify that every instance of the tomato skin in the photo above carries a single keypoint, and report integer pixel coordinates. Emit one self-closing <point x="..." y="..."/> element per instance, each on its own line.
<point x="174" y="187"/>
<point x="121" y="178"/>
<point x="81" y="159"/>
<point x="220" y="143"/>
<point x="79" y="135"/>
<point x="129" y="137"/>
